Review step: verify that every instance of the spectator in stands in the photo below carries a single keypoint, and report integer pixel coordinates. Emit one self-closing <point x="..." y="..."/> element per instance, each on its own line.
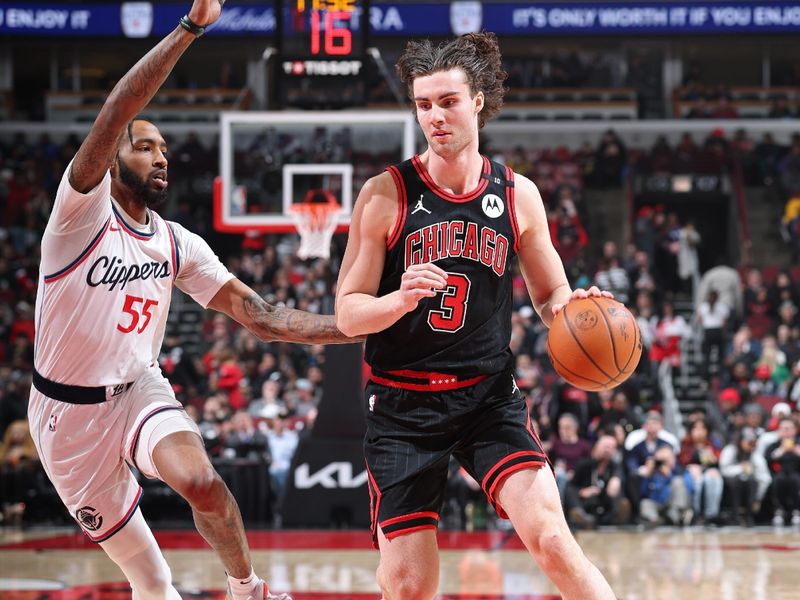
<point x="725" y="414"/>
<point x="467" y="496"/>
<point x="519" y="162"/>
<point x="767" y="155"/>
<point x="641" y="445"/>
<point x="699" y="110"/>
<point x="213" y="429"/>
<point x="665" y="490"/>
<point x="700" y="457"/>
<point x="746" y="475"/>
<point x="753" y="283"/>
<point x="646" y="232"/>
<point x="19" y="464"/>
<point x="640" y="276"/>
<point x="619" y="415"/>
<point x="244" y="440"/>
<point x="303" y="399"/>
<point x="743" y="349"/>
<point x="20" y="192"/>
<point x="595" y="494"/>
<point x="610" y="160"/>
<point x="646" y="318"/>
<point x="282" y="445"/>
<point x="665" y="260"/>
<point x="789" y="171"/>
<point x="612" y="277"/>
<point x="566" y="398"/>
<point x="14" y="388"/>
<point x="770" y="436"/>
<point x="759" y="313"/>
<point x="269" y="405"/>
<point x="688" y="260"/>
<point x="785" y="338"/>
<point x="712" y="315"/>
<point x="772" y="356"/>
<point x="685" y="154"/>
<point x="670" y="329"/>
<point x="724" y="109"/>
<point x="569" y="236"/>
<point x="660" y="158"/>
<point x="780" y="109"/>
<point x="567" y="449"/>
<point x="728" y="285"/>
<point x="790" y="231"/>
<point x="229" y="374"/>
<point x="783" y="289"/>
<point x="783" y="457"/>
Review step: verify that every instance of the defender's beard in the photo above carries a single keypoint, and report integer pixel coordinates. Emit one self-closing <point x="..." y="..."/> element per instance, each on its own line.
<point x="141" y="189"/>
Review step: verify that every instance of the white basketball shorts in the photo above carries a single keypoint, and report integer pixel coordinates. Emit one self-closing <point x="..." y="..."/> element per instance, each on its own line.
<point x="86" y="448"/>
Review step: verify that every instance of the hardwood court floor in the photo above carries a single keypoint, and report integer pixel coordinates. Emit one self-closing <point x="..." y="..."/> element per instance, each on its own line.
<point x="693" y="564"/>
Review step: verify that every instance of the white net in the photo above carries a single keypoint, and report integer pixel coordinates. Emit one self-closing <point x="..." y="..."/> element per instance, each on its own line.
<point x="316" y="224"/>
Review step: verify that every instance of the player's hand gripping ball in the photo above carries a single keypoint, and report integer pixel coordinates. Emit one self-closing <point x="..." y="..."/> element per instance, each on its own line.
<point x="594" y="343"/>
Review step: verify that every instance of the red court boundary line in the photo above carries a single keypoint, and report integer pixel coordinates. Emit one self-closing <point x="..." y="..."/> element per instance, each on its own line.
<point x="290" y="539"/>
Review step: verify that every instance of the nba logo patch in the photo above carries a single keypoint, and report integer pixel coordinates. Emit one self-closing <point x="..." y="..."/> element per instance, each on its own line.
<point x="136" y="19"/>
<point x="53" y="421"/>
<point x="466" y="16"/>
<point x="372" y="400"/>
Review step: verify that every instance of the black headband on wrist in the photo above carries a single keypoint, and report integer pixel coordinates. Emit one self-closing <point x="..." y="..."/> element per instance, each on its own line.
<point x="191" y="26"/>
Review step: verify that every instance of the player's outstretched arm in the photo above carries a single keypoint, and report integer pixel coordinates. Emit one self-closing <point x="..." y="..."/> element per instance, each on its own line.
<point x="359" y="311"/>
<point x="131" y="94"/>
<point x="275" y="323"/>
<point x="539" y="262"/>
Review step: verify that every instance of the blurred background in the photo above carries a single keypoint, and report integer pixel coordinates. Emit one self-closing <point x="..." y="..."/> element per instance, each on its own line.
<point x="663" y="136"/>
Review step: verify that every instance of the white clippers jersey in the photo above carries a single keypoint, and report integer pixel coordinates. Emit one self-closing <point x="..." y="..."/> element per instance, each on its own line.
<point x="105" y="286"/>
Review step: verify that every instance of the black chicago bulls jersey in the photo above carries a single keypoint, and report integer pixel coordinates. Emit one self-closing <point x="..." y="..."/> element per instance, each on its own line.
<point x="464" y="330"/>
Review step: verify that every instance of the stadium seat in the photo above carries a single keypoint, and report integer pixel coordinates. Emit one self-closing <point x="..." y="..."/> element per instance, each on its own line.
<point x="770" y="274"/>
<point x="767" y="402"/>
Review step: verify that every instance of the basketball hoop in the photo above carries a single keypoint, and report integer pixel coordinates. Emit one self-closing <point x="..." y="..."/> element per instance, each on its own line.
<point x="315" y="222"/>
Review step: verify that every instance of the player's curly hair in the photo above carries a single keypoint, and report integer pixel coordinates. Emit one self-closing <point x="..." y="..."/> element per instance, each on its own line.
<point x="477" y="54"/>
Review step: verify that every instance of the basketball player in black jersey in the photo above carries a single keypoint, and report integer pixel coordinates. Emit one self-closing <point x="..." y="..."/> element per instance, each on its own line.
<point x="427" y="275"/>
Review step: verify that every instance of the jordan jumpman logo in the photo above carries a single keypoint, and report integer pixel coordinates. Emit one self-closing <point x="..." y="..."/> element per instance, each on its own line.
<point x="419" y="206"/>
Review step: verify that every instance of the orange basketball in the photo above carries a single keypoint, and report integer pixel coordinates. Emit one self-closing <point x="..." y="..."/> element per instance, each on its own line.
<point x="594" y="343"/>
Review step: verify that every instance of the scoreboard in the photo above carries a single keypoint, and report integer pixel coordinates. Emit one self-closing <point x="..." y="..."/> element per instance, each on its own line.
<point x="322" y="48"/>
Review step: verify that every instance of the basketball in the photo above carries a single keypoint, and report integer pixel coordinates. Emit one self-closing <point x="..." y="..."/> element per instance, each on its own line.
<point x="594" y="343"/>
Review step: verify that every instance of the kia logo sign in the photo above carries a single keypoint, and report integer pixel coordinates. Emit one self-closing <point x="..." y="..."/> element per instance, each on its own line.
<point x="333" y="476"/>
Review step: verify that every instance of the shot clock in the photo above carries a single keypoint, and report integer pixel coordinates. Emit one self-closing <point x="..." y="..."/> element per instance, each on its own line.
<point x="322" y="49"/>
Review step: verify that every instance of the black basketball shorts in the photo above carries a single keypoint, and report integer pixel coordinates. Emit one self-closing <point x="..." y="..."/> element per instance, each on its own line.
<point x="411" y="435"/>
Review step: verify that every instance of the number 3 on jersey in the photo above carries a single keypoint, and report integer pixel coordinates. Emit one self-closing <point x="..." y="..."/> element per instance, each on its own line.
<point x="452" y="313"/>
<point x="130" y="308"/>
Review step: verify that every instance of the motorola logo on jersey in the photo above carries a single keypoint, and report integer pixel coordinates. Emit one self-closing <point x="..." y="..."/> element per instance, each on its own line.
<point x="457" y="239"/>
<point x="492" y="206"/>
<point x="112" y="272"/>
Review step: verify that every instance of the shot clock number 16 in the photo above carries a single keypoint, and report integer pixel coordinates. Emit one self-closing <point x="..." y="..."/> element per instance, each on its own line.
<point x="326" y="28"/>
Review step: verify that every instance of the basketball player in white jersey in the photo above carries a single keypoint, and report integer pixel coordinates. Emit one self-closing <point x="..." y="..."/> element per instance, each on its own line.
<point x="99" y="401"/>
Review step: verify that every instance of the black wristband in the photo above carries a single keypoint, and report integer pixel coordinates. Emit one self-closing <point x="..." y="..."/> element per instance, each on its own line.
<point x="191" y="26"/>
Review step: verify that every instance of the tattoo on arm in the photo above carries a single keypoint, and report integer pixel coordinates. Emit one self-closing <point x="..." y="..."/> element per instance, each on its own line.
<point x="285" y="324"/>
<point x="133" y="92"/>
